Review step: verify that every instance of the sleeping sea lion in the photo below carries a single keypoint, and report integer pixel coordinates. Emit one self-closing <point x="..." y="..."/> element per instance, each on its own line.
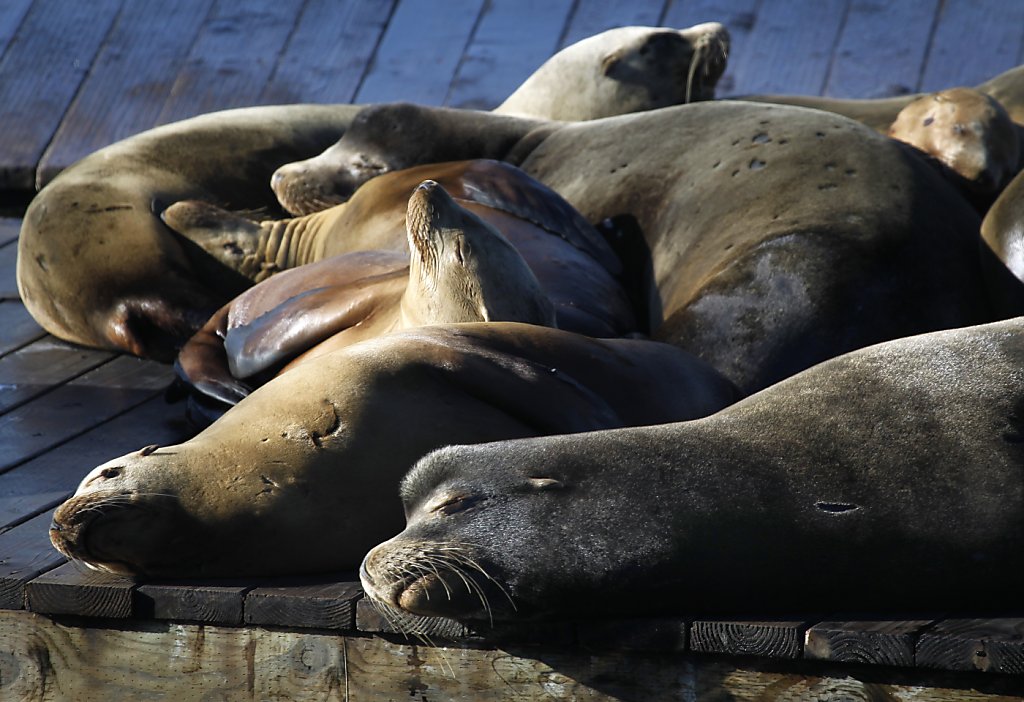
<point x="622" y="70"/>
<point x="96" y="266"/>
<point x="886" y="480"/>
<point x="311" y="485"/>
<point x="460" y="269"/>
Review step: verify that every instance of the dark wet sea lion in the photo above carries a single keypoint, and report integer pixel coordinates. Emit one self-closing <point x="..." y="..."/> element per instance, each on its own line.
<point x="311" y="485"/>
<point x="627" y="69"/>
<point x="96" y="266"/>
<point x="777" y="236"/>
<point x="886" y="480"/>
<point x="459" y="269"/>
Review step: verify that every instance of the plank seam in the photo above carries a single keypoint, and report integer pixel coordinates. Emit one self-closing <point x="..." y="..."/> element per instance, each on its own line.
<point x="284" y="47"/>
<point x="485" y="7"/>
<point x="568" y="23"/>
<point x="939" y="11"/>
<point x="16" y="34"/>
<point x="18" y="521"/>
<point x="835" y="46"/>
<point x="51" y="388"/>
<point x="367" y="69"/>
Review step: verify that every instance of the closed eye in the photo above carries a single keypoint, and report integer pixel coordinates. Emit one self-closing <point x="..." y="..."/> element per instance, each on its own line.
<point x="457" y="503"/>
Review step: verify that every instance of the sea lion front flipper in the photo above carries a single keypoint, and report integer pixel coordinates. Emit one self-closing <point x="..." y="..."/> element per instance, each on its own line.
<point x="231" y="239"/>
<point x="508" y="189"/>
<point x="203" y="365"/>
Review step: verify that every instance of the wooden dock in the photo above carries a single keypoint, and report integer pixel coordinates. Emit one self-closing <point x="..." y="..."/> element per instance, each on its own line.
<point x="75" y="76"/>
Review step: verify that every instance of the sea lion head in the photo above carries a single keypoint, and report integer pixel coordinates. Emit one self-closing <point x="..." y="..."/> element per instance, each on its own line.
<point x="463" y="270"/>
<point x="624" y="70"/>
<point x="966" y="130"/>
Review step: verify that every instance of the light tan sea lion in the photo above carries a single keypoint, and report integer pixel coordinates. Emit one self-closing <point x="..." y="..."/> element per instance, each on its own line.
<point x="1003" y="233"/>
<point x="622" y="70"/>
<point x="96" y="266"/>
<point x="311" y="485"/>
<point x="887" y="480"/>
<point x="967" y="131"/>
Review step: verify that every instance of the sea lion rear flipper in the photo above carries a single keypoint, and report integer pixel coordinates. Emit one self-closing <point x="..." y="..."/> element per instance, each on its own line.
<point x="231" y="239"/>
<point x="506" y="188"/>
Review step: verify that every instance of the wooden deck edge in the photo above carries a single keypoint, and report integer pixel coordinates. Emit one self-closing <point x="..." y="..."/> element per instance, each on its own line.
<point x="43" y="658"/>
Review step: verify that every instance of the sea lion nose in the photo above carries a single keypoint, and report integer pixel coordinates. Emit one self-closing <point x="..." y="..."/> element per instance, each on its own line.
<point x="275" y="180"/>
<point x="427" y="186"/>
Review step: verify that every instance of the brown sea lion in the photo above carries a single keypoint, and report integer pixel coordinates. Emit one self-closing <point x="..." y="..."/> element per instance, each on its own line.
<point x="622" y="70"/>
<point x="886" y="480"/>
<point x="311" y="485"/>
<point x="968" y="132"/>
<point x="459" y="269"/>
<point x="96" y="266"/>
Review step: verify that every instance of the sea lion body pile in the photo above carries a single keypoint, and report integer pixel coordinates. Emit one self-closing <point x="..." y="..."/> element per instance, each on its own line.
<point x="766" y="246"/>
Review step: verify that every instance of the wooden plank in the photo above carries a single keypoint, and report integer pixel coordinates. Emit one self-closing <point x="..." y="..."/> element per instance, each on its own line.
<point x="790" y="47"/>
<point x="988" y="645"/>
<point x="894" y="35"/>
<point x="17" y="327"/>
<point x="55" y="660"/>
<point x="370" y="620"/>
<point x="232" y="59"/>
<point x="25" y="553"/>
<point x="73" y="589"/>
<point x="595" y="16"/>
<point x="322" y="605"/>
<point x="512" y="40"/>
<point x="436" y="40"/>
<point x="8" y="283"/>
<point x="12" y="12"/>
<point x="133" y="73"/>
<point x="191" y="601"/>
<point x="871" y="642"/>
<point x="963" y="29"/>
<point x="51" y="477"/>
<point x="78" y="406"/>
<point x="663" y="634"/>
<point x="34" y="369"/>
<point x="739" y="17"/>
<point x="40" y="74"/>
<point x="325" y="61"/>
<point x="9" y="228"/>
<point x="774" y="639"/>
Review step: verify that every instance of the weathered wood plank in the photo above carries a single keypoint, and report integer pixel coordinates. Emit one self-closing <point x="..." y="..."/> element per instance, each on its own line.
<point x="329" y="51"/>
<point x="739" y="17"/>
<point x="370" y="620"/>
<point x="436" y="40"/>
<point x="18" y="327"/>
<point x="51" y="477"/>
<point x="875" y="643"/>
<point x="773" y="639"/>
<point x="324" y="605"/>
<point x="232" y="58"/>
<point x="891" y="35"/>
<point x="988" y="645"/>
<point x="34" y="369"/>
<point x="592" y="17"/>
<point x="78" y="406"/>
<point x="73" y="589"/>
<point x="56" y="660"/>
<point x="512" y="40"/>
<point x="9" y="229"/>
<point x="987" y="31"/>
<point x="12" y="13"/>
<point x="129" y="81"/>
<point x="205" y="602"/>
<point x="8" y="283"/>
<point x="39" y="75"/>
<point x="25" y="553"/>
<point x="790" y="47"/>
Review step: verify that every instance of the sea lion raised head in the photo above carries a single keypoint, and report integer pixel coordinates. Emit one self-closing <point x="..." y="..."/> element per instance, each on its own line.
<point x="623" y="70"/>
<point x="966" y="130"/>
<point x="301" y="475"/>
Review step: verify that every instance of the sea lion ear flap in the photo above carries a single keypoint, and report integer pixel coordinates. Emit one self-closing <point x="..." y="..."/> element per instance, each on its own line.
<point x="610" y="61"/>
<point x="545" y="484"/>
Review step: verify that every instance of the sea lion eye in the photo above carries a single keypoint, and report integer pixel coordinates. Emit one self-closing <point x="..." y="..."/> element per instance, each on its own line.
<point x="457" y="503"/>
<point x="545" y="484"/>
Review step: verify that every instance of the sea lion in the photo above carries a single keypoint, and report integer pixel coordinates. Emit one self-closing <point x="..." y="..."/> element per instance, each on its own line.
<point x="776" y="236"/>
<point x="96" y="266"/>
<point x="1002" y="231"/>
<point x="311" y="486"/>
<point x="622" y="70"/>
<point x="886" y="480"/>
<point x="878" y="113"/>
<point x="459" y="269"/>
<point x="968" y="132"/>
